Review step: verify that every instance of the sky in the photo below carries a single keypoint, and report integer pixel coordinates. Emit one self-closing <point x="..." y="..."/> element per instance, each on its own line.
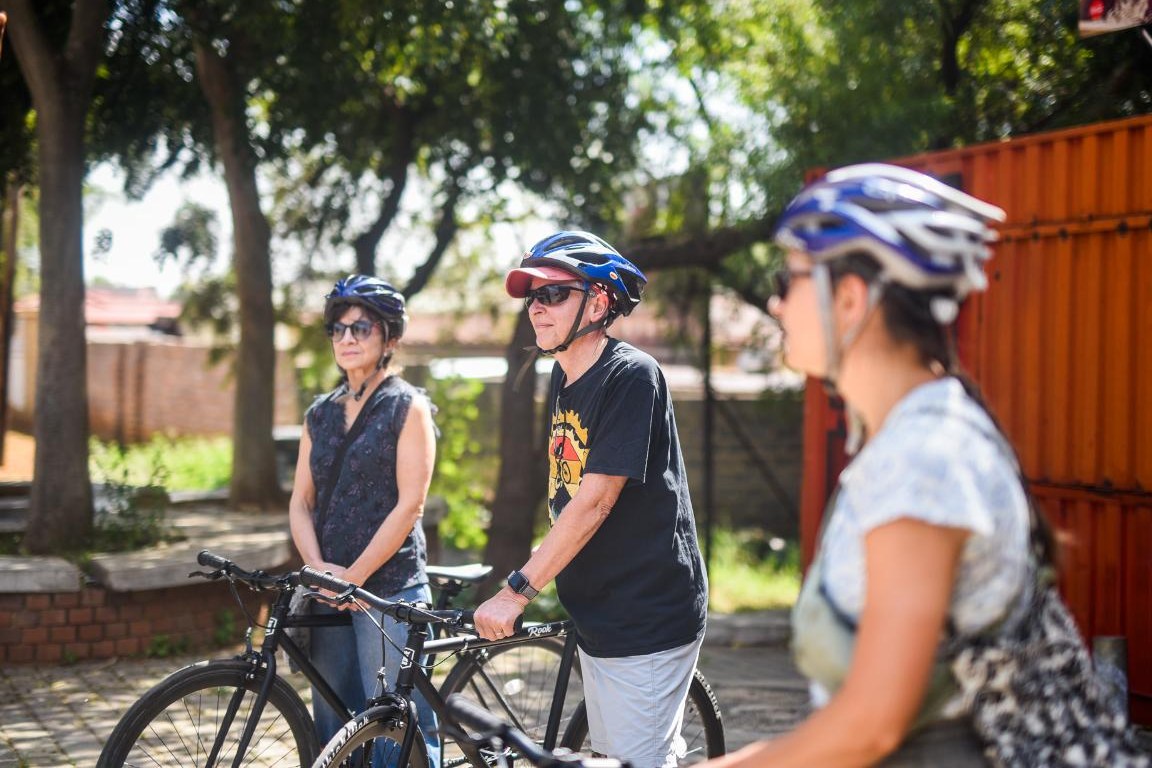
<point x="136" y="226"/>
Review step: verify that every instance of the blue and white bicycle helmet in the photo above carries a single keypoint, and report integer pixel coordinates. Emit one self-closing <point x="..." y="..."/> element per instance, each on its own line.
<point x="574" y="255"/>
<point x="587" y="257"/>
<point x="374" y="294"/>
<point x="923" y="233"/>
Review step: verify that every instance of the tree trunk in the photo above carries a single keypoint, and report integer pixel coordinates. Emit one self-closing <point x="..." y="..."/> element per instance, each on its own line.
<point x="523" y="471"/>
<point x="9" y="235"/>
<point x="60" y="80"/>
<point x="254" y="481"/>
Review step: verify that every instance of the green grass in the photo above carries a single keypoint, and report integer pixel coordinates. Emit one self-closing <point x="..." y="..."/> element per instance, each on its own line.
<point x="750" y="573"/>
<point x="178" y="464"/>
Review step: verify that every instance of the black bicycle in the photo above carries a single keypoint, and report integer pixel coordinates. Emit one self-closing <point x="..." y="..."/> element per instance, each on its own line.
<point x="241" y="711"/>
<point x="389" y="726"/>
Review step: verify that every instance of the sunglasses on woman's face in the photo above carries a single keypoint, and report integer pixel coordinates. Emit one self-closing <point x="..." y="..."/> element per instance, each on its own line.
<point x="782" y="280"/>
<point x="548" y="295"/>
<point x="361" y="329"/>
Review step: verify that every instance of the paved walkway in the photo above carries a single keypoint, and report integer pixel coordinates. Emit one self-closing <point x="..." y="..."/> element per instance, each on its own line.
<point x="61" y="715"/>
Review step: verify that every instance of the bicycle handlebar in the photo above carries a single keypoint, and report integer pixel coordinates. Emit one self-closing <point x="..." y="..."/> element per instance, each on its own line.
<point x="343" y="591"/>
<point x="490" y="728"/>
<point x="409" y="613"/>
<point x="255" y="579"/>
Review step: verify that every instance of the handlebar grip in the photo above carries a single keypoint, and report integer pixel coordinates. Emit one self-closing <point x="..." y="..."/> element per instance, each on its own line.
<point x="209" y="560"/>
<point x="310" y="577"/>
<point x="466" y="617"/>
<point x="472" y="716"/>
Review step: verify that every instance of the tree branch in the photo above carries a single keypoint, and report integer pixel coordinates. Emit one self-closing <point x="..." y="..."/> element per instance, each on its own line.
<point x="403" y="150"/>
<point x="705" y="251"/>
<point x="446" y="230"/>
<point x="32" y="52"/>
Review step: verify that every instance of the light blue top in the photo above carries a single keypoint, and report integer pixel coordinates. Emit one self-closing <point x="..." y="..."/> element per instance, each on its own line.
<point x="937" y="458"/>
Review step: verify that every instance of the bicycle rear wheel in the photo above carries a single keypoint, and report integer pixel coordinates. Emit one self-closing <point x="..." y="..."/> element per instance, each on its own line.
<point x="376" y="731"/>
<point x="201" y="710"/>
<point x="516" y="682"/>
<point x="702" y="729"/>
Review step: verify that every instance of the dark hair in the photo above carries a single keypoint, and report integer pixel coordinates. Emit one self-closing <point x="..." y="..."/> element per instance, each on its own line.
<point x="908" y="319"/>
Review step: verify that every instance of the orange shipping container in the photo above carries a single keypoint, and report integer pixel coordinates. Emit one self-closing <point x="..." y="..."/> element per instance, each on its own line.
<point x="1059" y="345"/>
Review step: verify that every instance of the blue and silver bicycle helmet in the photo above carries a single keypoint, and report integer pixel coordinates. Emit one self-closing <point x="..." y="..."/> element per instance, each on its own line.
<point x="589" y="258"/>
<point x="580" y="256"/>
<point x="372" y="293"/>
<point x="923" y="233"/>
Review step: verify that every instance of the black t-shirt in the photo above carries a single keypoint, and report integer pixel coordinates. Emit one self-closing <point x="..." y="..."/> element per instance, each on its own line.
<point x="638" y="586"/>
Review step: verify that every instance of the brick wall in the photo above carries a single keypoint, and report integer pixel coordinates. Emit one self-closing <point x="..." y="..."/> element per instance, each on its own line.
<point x="141" y="388"/>
<point x="96" y="623"/>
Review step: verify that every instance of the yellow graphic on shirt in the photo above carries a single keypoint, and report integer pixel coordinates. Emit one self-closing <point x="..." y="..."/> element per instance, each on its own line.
<point x="567" y="452"/>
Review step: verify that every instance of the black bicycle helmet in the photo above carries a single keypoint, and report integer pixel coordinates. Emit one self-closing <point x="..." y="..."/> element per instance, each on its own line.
<point x="372" y="293"/>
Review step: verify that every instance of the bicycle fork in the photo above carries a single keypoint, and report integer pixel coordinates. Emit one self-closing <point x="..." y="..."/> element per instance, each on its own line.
<point x="253" y="716"/>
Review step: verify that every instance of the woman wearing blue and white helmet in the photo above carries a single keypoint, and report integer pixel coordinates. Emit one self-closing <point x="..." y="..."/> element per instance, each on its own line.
<point x="929" y="539"/>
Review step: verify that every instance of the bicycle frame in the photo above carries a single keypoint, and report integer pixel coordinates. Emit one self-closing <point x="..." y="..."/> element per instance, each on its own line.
<point x="413" y="676"/>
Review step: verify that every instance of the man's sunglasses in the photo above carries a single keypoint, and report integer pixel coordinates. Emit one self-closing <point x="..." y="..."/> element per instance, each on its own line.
<point x="782" y="280"/>
<point x="361" y="329"/>
<point x="551" y="294"/>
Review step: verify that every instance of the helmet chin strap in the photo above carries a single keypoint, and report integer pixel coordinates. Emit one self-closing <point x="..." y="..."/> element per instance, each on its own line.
<point x="835" y="347"/>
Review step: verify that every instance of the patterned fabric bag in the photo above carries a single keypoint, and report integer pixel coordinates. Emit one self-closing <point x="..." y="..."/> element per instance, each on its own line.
<point x="1035" y="699"/>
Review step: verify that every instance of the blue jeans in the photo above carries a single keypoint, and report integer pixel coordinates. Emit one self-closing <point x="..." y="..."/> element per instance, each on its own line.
<point x="349" y="658"/>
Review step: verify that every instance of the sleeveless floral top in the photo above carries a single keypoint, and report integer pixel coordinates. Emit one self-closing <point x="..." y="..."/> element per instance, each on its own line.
<point x="366" y="491"/>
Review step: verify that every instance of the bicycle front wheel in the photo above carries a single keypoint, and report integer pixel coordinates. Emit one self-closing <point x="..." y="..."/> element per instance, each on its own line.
<point x="378" y="732"/>
<point x="702" y="729"/>
<point x="197" y="715"/>
<point x="516" y="682"/>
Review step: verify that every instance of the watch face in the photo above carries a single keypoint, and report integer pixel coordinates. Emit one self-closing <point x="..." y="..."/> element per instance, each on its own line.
<point x="520" y="585"/>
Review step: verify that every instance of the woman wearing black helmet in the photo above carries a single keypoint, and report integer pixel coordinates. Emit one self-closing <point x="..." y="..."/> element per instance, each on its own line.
<point x="623" y="546"/>
<point x="366" y="459"/>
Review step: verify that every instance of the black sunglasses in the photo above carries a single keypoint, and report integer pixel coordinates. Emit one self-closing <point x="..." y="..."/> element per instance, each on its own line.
<point x="361" y="329"/>
<point x="551" y="294"/>
<point x="782" y="280"/>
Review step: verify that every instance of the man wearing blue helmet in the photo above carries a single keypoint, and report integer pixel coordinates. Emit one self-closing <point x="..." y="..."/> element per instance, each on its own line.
<point x="623" y="546"/>
<point x="932" y="578"/>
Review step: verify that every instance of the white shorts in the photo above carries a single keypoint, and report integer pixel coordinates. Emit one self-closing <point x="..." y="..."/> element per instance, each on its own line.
<point x="636" y="704"/>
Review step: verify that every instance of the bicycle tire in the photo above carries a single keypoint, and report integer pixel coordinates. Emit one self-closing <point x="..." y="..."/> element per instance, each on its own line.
<point x="368" y="728"/>
<point x="515" y="682"/>
<point x="702" y="729"/>
<point x="177" y="721"/>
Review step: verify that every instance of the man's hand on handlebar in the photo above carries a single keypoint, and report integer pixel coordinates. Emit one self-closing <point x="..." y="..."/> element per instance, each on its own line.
<point x="497" y="617"/>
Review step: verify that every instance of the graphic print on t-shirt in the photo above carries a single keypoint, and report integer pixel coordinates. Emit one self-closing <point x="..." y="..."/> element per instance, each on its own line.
<point x="567" y="452"/>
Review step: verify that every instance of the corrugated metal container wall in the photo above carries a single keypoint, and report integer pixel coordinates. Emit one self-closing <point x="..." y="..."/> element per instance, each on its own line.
<point x="1060" y="347"/>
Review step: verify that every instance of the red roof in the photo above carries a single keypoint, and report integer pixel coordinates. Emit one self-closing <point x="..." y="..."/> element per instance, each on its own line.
<point x="117" y="306"/>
